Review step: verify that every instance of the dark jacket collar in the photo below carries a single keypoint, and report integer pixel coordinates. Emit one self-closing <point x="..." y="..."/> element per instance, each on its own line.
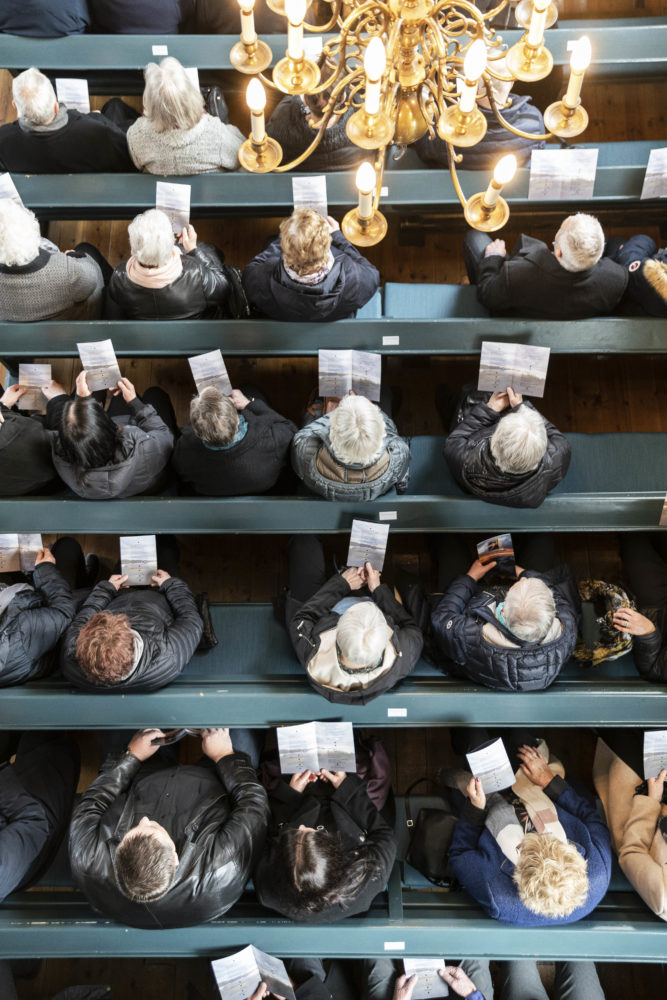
<point x="36" y="264"/>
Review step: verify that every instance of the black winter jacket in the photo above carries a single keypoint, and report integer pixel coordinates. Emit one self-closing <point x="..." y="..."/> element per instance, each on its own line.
<point x="497" y="142"/>
<point x="201" y="291"/>
<point x="86" y="144"/>
<point x="218" y="17"/>
<point x="468" y="454"/>
<point x="461" y="615"/>
<point x="533" y="283"/>
<point x="649" y="652"/>
<point x="350" y="283"/>
<point x="315" y="617"/>
<point x="216" y="815"/>
<point x="25" y="455"/>
<point x="289" y="126"/>
<point x="44" y="18"/>
<point x="149" y="17"/>
<point x="32" y="624"/>
<point x="166" y="619"/>
<point x="244" y="469"/>
<point x="346" y="810"/>
<point x="647" y="286"/>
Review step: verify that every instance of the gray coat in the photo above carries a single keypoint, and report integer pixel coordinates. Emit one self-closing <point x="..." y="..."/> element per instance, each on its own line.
<point x="142" y="453"/>
<point x="310" y="439"/>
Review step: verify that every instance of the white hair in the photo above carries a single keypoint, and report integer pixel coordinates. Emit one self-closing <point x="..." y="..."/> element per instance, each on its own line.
<point x="362" y="634"/>
<point x="151" y="238"/>
<point x="34" y="96"/>
<point x="19" y="234"/>
<point x="519" y="441"/>
<point x="171" y="100"/>
<point x="580" y="240"/>
<point x="529" y="609"/>
<point x="356" y="430"/>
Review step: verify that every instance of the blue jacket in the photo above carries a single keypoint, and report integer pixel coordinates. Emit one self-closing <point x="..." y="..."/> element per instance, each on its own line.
<point x="483" y="870"/>
<point x="646" y="286"/>
<point x="460" y="616"/>
<point x="44" y="18"/>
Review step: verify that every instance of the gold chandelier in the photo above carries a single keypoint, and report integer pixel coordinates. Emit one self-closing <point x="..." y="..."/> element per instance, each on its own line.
<point x="407" y="67"/>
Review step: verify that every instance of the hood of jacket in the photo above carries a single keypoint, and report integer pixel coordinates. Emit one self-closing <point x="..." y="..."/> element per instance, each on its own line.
<point x="122" y="477"/>
<point x="308" y="302"/>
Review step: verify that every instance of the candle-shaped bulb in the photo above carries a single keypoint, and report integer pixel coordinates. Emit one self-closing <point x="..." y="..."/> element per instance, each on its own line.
<point x="475" y="60"/>
<point x="538" y="19"/>
<point x="255" y="96"/>
<point x="365" y="181"/>
<point x="246" y="5"/>
<point x="295" y="10"/>
<point x="248" y="34"/>
<point x="375" y="59"/>
<point x="580" y="58"/>
<point x="505" y="169"/>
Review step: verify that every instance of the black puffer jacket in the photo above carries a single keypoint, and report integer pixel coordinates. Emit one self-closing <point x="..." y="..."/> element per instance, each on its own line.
<point x="25" y="455"/>
<point x="289" y="126"/>
<point x="201" y="291"/>
<point x="32" y="624"/>
<point x="461" y="615"/>
<point x="347" y="811"/>
<point x="166" y="619"/>
<point x="216" y="816"/>
<point x="649" y="652"/>
<point x="468" y="454"/>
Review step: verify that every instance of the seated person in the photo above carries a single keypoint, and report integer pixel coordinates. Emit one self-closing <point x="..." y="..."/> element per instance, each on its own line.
<point x="150" y="17"/>
<point x="162" y="280"/>
<point x="44" y="18"/>
<point x="133" y="639"/>
<point x="234" y="446"/>
<point x="35" y="610"/>
<point x="25" y="450"/>
<point x="352" y="453"/>
<point x="36" y="799"/>
<point x="573" y="282"/>
<point x="646" y="264"/>
<point x="498" y="141"/>
<point x="382" y="979"/>
<point x="636" y="811"/>
<point x="503" y="451"/>
<point x="155" y="845"/>
<point x="220" y="17"/>
<point x="294" y="125"/>
<point x="353" y="646"/>
<point x="644" y="558"/>
<point x="100" y="459"/>
<point x="175" y="135"/>
<point x="49" y="138"/>
<point x="39" y="282"/>
<point x="519" y="644"/>
<point x="329" y="851"/>
<point x="535" y="855"/>
<point x="311" y="273"/>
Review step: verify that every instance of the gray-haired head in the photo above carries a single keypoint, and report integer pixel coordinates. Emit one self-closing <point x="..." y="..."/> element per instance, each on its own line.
<point x="580" y="242"/>
<point x="214" y="417"/>
<point x="519" y="441"/>
<point x="151" y="238"/>
<point x="356" y="430"/>
<point x="34" y="97"/>
<point x="529" y="609"/>
<point x="19" y="234"/>
<point x="362" y="634"/>
<point x="171" y="100"/>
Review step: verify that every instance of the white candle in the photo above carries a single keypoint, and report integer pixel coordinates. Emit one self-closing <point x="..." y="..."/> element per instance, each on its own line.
<point x="537" y="21"/>
<point x="579" y="61"/>
<point x="503" y="173"/>
<point x="375" y="61"/>
<point x="256" y="100"/>
<point x="473" y="67"/>
<point x="296" y="11"/>
<point x="248" y="33"/>
<point x="365" y="181"/>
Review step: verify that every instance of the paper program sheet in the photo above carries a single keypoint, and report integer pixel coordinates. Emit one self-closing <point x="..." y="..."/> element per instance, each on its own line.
<point x="174" y="201"/>
<point x="655" y="752"/>
<point x="343" y="371"/>
<point x="99" y="361"/>
<point x="138" y="558"/>
<point x="238" y="976"/>
<point x="429" y="983"/>
<point x="311" y="192"/>
<point x="567" y="174"/>
<point x="73" y="93"/>
<point x="210" y="370"/>
<point x="521" y="366"/>
<point x="33" y="377"/>
<point x="29" y="546"/>
<point x="316" y="745"/>
<point x="18" y="553"/>
<point x="368" y="543"/>
<point x="655" y="178"/>
<point x="492" y="766"/>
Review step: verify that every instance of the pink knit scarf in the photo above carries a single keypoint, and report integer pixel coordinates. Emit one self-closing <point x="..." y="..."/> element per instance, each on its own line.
<point x="155" y="277"/>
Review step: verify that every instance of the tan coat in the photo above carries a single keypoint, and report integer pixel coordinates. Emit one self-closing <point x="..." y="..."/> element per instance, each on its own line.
<point x="633" y="822"/>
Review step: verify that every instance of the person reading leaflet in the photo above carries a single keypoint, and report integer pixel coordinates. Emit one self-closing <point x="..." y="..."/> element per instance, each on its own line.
<point x="210" y="370"/>
<point x="32" y="378"/>
<point x="429" y="983"/>
<point x="138" y="557"/>
<point x="8" y="189"/>
<point x="492" y="766"/>
<point x="311" y="192"/>
<point x="174" y="201"/>
<point x="655" y="178"/>
<point x="499" y="549"/>
<point x="368" y="543"/>
<point x="316" y="746"/>
<point x="74" y="94"/>
<point x="567" y="174"/>
<point x="239" y="976"/>
<point x="18" y="553"/>
<point x="520" y="366"/>
<point x="655" y="753"/>
<point x="341" y="372"/>
<point x="100" y="365"/>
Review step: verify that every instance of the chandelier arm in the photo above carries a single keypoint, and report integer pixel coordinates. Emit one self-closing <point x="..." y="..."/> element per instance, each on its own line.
<point x="319" y="135"/>
<point x="510" y="128"/>
<point x="489" y="14"/>
<point x="458" y="5"/>
<point x="454" y="158"/>
<point x="378" y="166"/>
<point x="320" y="28"/>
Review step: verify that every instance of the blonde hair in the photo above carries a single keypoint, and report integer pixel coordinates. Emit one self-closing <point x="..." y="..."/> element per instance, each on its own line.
<point x="214" y="417"/>
<point x="551" y="877"/>
<point x="305" y="241"/>
<point x="171" y="100"/>
<point x="356" y="430"/>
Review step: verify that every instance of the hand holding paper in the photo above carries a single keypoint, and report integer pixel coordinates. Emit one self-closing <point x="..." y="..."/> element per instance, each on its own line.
<point x="655" y="753"/>
<point x="368" y="544"/>
<point x="491" y="768"/>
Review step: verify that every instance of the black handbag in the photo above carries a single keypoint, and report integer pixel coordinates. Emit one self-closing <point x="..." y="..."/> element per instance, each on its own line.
<point x="430" y="837"/>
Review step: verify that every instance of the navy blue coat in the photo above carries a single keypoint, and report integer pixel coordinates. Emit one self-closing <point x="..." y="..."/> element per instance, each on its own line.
<point x="44" y="18"/>
<point x="149" y="17"/>
<point x="647" y="287"/>
<point x="460" y="616"/>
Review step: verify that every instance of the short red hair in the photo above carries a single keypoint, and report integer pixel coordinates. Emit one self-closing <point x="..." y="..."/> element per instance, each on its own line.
<point x="105" y="648"/>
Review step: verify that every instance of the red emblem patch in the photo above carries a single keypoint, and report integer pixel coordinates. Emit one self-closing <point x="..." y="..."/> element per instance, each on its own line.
<point x="635" y="264"/>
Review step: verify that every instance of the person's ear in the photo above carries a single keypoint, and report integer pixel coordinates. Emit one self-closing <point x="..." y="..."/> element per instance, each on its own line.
<point x="14" y="106"/>
<point x="558" y="252"/>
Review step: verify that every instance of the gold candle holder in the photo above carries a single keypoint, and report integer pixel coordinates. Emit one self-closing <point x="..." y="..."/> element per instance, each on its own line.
<point x="487" y="211"/>
<point x="568" y="117"/>
<point x="250" y="55"/>
<point x="529" y="59"/>
<point x="459" y="128"/>
<point x="260" y="157"/>
<point x="295" y="76"/>
<point x="364" y="232"/>
<point x="524" y="11"/>
<point x="370" y="131"/>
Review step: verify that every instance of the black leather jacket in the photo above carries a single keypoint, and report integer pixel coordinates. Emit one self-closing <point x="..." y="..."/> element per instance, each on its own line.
<point x="201" y="291"/>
